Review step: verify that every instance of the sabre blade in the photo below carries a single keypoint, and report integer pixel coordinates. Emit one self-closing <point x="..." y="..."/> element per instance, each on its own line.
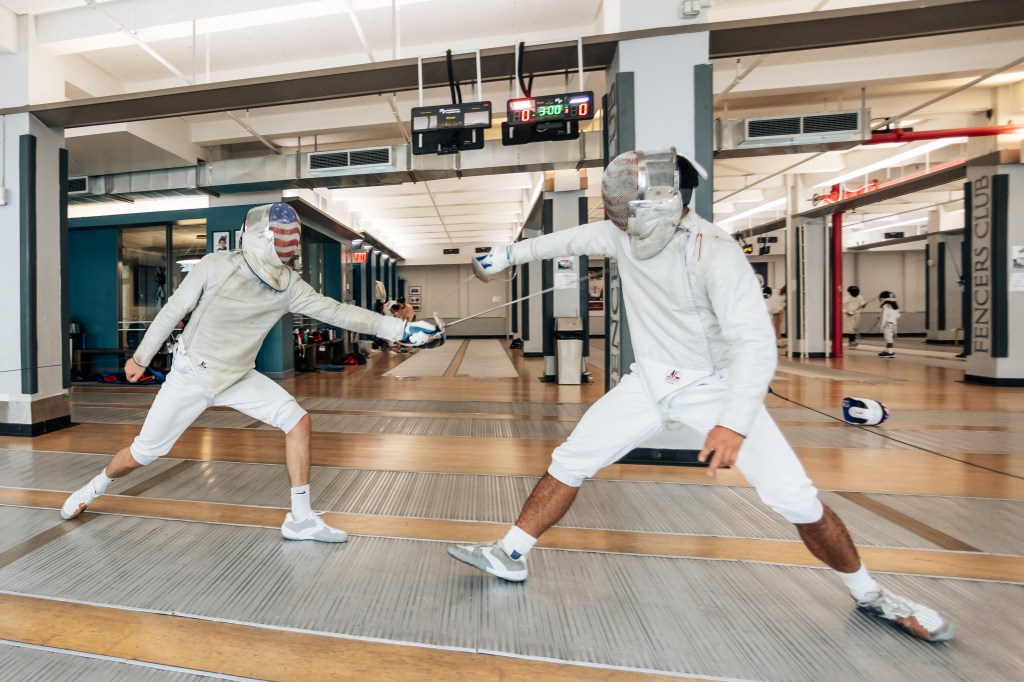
<point x="497" y="307"/>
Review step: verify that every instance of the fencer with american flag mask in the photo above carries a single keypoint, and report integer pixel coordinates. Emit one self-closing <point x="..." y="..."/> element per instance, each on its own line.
<point x="705" y="352"/>
<point x="235" y="299"/>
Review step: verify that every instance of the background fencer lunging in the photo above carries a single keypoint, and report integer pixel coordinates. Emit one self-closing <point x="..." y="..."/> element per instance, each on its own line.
<point x="235" y="299"/>
<point x="705" y="353"/>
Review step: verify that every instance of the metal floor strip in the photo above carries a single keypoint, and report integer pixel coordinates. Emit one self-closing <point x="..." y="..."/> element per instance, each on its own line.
<point x="28" y="662"/>
<point x="989" y="525"/>
<point x="704" y="617"/>
<point x="540" y="409"/>
<point x="487" y="358"/>
<point x="426" y="363"/>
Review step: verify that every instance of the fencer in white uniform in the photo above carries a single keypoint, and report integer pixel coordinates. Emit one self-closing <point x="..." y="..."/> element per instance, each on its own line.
<point x="705" y="353"/>
<point x="235" y="298"/>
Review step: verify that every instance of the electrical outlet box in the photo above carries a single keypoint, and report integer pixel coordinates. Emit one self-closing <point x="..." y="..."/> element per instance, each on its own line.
<point x="689" y="9"/>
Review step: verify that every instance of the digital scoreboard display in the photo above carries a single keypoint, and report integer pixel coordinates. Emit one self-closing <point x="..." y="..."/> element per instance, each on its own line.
<point x="573" y="106"/>
<point x="451" y="117"/>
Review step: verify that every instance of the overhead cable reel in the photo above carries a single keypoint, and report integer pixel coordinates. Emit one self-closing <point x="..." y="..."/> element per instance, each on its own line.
<point x="545" y="118"/>
<point x="450" y="128"/>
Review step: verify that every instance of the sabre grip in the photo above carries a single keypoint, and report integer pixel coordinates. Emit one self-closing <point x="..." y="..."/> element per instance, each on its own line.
<point x="490" y="264"/>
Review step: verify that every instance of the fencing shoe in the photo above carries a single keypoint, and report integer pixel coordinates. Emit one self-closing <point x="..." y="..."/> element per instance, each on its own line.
<point x="918" y="620"/>
<point x="312" y="528"/>
<point x="79" y="500"/>
<point x="886" y="354"/>
<point x="490" y="557"/>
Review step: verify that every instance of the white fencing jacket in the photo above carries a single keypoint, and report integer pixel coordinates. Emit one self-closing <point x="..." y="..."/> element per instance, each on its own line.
<point x="695" y="310"/>
<point x="232" y="312"/>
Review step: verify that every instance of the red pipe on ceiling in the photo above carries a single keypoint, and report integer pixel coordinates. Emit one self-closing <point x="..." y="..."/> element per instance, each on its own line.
<point x="901" y="135"/>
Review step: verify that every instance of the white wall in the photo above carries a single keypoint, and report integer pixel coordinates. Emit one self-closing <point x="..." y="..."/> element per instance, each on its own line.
<point x="453" y="292"/>
<point x="901" y="272"/>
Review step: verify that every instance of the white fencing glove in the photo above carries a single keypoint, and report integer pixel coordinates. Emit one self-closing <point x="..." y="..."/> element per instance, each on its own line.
<point x="490" y="264"/>
<point x="422" y="335"/>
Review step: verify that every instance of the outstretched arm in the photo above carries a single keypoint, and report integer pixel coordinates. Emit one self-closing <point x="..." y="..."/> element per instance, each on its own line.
<point x="306" y="301"/>
<point x="583" y="240"/>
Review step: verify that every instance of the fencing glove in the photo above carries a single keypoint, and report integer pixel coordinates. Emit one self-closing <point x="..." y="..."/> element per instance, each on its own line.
<point x="422" y="335"/>
<point x="490" y="264"/>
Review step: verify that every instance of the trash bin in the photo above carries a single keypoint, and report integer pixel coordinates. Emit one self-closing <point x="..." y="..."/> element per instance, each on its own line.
<point x="569" y="349"/>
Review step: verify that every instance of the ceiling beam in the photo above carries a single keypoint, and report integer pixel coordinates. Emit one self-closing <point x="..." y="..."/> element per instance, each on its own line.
<point x="732" y="39"/>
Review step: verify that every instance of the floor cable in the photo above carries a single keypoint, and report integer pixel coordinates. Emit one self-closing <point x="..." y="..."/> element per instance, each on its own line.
<point x="892" y="438"/>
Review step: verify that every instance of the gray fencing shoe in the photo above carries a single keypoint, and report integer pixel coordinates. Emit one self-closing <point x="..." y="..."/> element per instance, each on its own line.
<point x="918" y="620"/>
<point x="312" y="528"/>
<point x="490" y="557"/>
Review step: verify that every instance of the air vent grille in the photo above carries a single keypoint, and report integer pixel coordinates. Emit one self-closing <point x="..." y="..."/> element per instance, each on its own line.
<point x="832" y="123"/>
<point x="328" y="160"/>
<point x="773" y="127"/>
<point x="78" y="185"/>
<point x="370" y="157"/>
<point x="346" y="159"/>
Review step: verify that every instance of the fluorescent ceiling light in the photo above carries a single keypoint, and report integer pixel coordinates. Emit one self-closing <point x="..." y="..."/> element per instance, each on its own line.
<point x="778" y="203"/>
<point x="894" y="160"/>
<point x="888" y="226"/>
<point x="725" y="207"/>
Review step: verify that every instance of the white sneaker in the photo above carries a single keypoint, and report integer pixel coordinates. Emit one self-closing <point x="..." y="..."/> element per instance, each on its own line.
<point x="79" y="500"/>
<point x="312" y="528"/>
<point x="490" y="557"/>
<point x="920" y="621"/>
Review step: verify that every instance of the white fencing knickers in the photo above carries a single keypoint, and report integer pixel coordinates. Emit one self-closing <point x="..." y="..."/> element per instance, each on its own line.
<point x="183" y="397"/>
<point x="625" y="417"/>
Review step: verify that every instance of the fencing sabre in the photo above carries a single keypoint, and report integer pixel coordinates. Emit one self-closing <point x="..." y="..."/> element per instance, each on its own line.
<point x="443" y="325"/>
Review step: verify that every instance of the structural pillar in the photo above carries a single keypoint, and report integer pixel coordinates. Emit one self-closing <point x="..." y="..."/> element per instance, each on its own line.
<point x="34" y="317"/>
<point x="995" y="272"/>
<point x="564" y="207"/>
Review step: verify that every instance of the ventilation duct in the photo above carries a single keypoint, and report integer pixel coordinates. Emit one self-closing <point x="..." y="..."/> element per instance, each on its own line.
<point x="787" y="134"/>
<point x="341" y="168"/>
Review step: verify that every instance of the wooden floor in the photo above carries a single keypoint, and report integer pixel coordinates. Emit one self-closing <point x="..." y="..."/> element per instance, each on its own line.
<point x="255" y="652"/>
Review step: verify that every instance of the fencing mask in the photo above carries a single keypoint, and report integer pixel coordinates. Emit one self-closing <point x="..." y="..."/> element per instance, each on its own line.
<point x="864" y="411"/>
<point x="644" y="194"/>
<point x="270" y="237"/>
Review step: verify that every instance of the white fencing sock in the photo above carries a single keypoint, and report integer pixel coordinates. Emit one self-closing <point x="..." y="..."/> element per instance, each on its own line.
<point x="100" y="483"/>
<point x="301" y="509"/>
<point x="517" y="542"/>
<point x="860" y="584"/>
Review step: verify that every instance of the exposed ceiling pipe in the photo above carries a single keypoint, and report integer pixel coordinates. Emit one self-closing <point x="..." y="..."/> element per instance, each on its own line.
<point x="433" y="200"/>
<point x="392" y="100"/>
<point x="141" y="42"/>
<point x="901" y="135"/>
<point x="739" y="78"/>
<point x="839" y="194"/>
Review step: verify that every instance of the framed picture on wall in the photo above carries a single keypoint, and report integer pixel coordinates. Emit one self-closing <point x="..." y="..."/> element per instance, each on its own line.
<point x="221" y="241"/>
<point x="238" y="240"/>
<point x="416" y="307"/>
<point x="415" y="291"/>
<point x="414" y="300"/>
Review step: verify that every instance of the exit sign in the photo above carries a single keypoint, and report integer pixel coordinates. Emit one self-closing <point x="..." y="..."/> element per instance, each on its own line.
<point x="359" y="257"/>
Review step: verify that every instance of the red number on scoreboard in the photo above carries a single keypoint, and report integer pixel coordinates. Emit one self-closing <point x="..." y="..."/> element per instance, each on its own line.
<point x="584" y="108"/>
